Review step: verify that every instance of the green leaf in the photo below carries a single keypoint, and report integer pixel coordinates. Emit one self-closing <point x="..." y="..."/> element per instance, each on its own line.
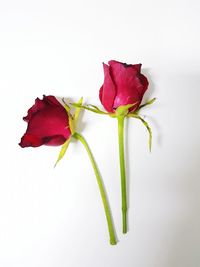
<point x="149" y="102"/>
<point x="147" y="127"/>
<point x="63" y="151"/>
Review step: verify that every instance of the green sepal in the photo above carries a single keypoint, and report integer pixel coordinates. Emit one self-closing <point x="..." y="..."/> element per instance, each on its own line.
<point x="77" y="111"/>
<point x="65" y="105"/>
<point x="63" y="150"/>
<point x="146" y="125"/>
<point x="149" y="102"/>
<point x="93" y="109"/>
<point x="71" y="119"/>
<point x="71" y="123"/>
<point x="122" y="110"/>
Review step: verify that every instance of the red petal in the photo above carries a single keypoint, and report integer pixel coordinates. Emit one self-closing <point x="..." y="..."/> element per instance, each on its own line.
<point x="107" y="92"/>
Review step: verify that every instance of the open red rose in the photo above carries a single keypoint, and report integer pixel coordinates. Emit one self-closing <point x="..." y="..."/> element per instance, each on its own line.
<point x="123" y="85"/>
<point x="48" y="124"/>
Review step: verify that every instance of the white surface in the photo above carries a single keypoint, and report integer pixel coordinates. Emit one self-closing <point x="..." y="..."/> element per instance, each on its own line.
<point x="54" y="217"/>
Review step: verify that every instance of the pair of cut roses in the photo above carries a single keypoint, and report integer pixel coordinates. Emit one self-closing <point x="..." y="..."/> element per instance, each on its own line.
<point x="48" y="121"/>
<point x="51" y="123"/>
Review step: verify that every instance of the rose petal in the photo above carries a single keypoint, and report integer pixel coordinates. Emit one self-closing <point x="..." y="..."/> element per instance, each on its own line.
<point x="30" y="140"/>
<point x="144" y="82"/>
<point x="39" y="104"/>
<point x="137" y="67"/>
<point x="107" y="92"/>
<point x="55" y="140"/>
<point x="51" y="100"/>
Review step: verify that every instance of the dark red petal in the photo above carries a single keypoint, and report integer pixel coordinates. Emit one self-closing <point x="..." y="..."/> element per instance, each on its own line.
<point x="141" y="85"/>
<point x="107" y="92"/>
<point x="39" y="104"/>
<point x="144" y="82"/>
<point x="137" y="67"/>
<point x="29" y="140"/>
<point x="50" y="121"/>
<point x="51" y="100"/>
<point x="55" y="140"/>
<point x="101" y="93"/>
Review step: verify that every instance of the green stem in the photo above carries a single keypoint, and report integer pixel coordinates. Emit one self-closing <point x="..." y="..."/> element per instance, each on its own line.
<point x="120" y="119"/>
<point x="101" y="188"/>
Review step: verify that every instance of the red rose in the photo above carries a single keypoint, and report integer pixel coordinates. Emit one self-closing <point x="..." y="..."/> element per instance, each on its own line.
<point x="48" y="124"/>
<point x="123" y="85"/>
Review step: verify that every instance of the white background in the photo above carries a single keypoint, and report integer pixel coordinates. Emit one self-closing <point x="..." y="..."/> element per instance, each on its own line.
<point x="54" y="217"/>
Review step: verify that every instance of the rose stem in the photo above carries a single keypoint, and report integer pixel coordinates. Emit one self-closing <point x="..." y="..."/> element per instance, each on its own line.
<point x="101" y="188"/>
<point x="120" y="119"/>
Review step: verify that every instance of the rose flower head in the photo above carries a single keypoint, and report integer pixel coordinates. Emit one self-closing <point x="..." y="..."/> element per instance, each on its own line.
<point x="48" y="124"/>
<point x="123" y="85"/>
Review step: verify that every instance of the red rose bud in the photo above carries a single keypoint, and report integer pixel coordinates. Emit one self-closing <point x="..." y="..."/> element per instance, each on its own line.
<point x="123" y="85"/>
<point x="48" y="124"/>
